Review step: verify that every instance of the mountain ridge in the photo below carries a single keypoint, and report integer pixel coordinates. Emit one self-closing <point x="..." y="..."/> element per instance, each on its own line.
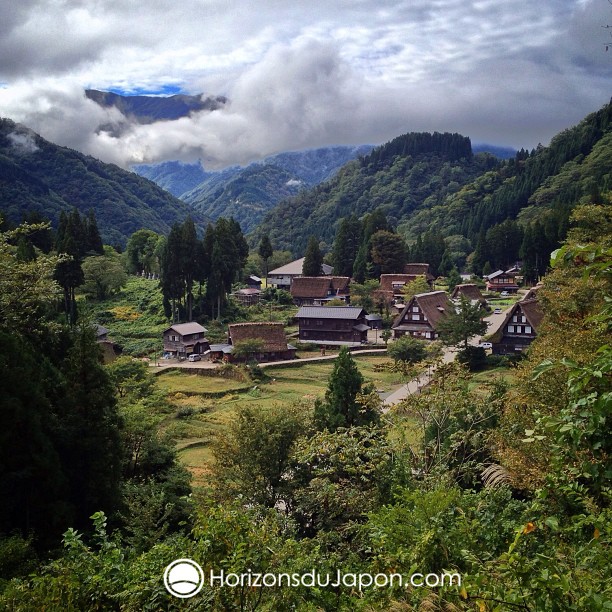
<point x="37" y="175"/>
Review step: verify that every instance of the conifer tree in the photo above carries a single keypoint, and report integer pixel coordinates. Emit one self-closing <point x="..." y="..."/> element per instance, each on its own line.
<point x="340" y="407"/>
<point x="313" y="259"/>
<point x="346" y="245"/>
<point x="265" y="251"/>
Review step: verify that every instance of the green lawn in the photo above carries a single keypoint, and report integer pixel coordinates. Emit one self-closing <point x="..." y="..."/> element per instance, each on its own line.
<point x="203" y="417"/>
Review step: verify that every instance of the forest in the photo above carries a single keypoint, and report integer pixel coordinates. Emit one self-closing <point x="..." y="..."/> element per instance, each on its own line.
<point x="505" y="483"/>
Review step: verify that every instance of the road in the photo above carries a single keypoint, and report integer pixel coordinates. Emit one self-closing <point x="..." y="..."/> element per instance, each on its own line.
<point x="416" y="384"/>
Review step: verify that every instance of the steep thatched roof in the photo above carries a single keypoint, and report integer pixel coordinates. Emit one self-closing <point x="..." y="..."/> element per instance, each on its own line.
<point x="435" y="305"/>
<point x="272" y="334"/>
<point x="469" y="290"/>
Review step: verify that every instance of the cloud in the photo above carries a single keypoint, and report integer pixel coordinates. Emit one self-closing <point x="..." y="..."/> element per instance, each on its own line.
<point x="303" y="74"/>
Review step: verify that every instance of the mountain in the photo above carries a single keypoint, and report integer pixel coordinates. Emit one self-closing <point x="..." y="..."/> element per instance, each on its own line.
<point x="37" y="175"/>
<point x="429" y="182"/>
<point x="147" y="109"/>
<point x="405" y="174"/>
<point x="499" y="152"/>
<point x="174" y="176"/>
<point x="247" y="193"/>
<point x="538" y="186"/>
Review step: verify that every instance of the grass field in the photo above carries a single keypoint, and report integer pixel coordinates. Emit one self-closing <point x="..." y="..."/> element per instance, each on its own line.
<point x="199" y="418"/>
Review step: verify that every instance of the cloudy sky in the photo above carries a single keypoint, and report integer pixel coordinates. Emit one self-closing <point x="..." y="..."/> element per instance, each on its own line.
<point x="304" y="73"/>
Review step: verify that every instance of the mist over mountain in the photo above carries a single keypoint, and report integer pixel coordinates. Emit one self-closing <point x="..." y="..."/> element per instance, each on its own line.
<point x="147" y="109"/>
<point x="37" y="175"/>
<point x="175" y="176"/>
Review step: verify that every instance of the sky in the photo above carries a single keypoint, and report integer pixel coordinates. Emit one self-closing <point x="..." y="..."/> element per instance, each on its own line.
<point x="302" y="74"/>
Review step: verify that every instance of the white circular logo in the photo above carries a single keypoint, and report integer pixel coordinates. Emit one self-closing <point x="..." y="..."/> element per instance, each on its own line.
<point x="184" y="578"/>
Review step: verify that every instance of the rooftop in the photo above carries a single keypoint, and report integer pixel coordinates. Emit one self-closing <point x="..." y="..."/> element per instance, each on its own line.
<point x="295" y="268"/>
<point x="330" y="312"/>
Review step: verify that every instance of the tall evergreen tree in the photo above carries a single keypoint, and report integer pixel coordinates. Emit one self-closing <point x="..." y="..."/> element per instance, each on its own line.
<point x="93" y="239"/>
<point x="265" y="251"/>
<point x="346" y="245"/>
<point x="340" y="407"/>
<point x="388" y="252"/>
<point x="313" y="259"/>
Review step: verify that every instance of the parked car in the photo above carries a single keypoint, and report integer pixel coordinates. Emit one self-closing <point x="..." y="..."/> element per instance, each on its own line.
<point x="504" y="294"/>
<point x="497" y="311"/>
<point x="485" y="345"/>
<point x="194" y="357"/>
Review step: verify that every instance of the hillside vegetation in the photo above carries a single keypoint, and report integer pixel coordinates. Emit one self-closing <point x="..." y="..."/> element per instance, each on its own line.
<point x="433" y="182"/>
<point x="410" y="172"/>
<point x="37" y="175"/>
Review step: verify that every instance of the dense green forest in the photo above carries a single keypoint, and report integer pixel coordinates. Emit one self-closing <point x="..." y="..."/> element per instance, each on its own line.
<point x="432" y="182"/>
<point x="505" y="483"/>
<point x="386" y="178"/>
<point x="38" y="176"/>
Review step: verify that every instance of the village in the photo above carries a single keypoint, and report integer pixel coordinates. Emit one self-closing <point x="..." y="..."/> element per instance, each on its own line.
<point x="329" y="327"/>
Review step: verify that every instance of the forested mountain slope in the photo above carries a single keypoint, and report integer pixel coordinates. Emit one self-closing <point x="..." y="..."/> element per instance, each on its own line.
<point x="412" y="171"/>
<point x="433" y="182"/>
<point x="147" y="109"/>
<point x="37" y="175"/>
<point x="247" y="193"/>
<point x="174" y="176"/>
<point x="541" y="186"/>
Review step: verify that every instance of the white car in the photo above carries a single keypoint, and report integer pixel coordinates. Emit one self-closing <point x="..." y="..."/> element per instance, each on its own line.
<point x="194" y="357"/>
<point x="485" y="345"/>
<point x="497" y="311"/>
<point x="504" y="294"/>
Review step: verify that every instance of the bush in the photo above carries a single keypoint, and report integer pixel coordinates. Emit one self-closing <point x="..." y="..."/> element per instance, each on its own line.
<point x="474" y="357"/>
<point x="184" y="412"/>
<point x="408" y="349"/>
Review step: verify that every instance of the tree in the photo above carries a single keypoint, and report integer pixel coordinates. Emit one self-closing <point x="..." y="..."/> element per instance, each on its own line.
<point x="265" y="251"/>
<point x="388" y="252"/>
<point x="453" y="279"/>
<point x="418" y="285"/>
<point x="252" y="457"/>
<point x="141" y="252"/>
<point x="313" y="260"/>
<point x="342" y="406"/>
<point x="94" y="242"/>
<point x="408" y="349"/>
<point x="362" y="294"/>
<point x="466" y="322"/>
<point x="103" y="275"/>
<point x="247" y="347"/>
<point x="346" y="245"/>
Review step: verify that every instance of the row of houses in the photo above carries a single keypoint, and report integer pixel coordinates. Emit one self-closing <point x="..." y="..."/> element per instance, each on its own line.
<point x="349" y="325"/>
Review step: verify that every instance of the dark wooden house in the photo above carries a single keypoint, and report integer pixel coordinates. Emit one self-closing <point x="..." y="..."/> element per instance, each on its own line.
<point x="183" y="339"/>
<point x="502" y="281"/>
<point x="470" y="291"/>
<point x="273" y="347"/>
<point x="333" y="325"/>
<point x="421" y="315"/>
<point x="519" y="328"/>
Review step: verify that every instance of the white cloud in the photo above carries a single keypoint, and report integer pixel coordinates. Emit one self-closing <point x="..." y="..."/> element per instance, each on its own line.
<point x="303" y="74"/>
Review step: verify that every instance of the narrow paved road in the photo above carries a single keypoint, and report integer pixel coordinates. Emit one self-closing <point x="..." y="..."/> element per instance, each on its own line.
<point x="413" y="386"/>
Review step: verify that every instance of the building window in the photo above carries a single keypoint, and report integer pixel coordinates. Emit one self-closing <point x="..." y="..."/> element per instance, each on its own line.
<point x="415" y="309"/>
<point x="528" y="329"/>
<point x="415" y="317"/>
<point x="510" y="329"/>
<point x="523" y="319"/>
